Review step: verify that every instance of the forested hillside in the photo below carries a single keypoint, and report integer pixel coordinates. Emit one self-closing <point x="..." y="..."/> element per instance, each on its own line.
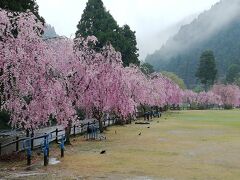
<point x="217" y="29"/>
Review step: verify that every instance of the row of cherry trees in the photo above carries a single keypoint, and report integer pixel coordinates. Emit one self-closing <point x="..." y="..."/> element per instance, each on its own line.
<point x="223" y="95"/>
<point x="55" y="77"/>
<point x="43" y="79"/>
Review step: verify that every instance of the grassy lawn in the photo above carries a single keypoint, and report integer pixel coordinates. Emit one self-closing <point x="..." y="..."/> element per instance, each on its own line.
<point x="198" y="145"/>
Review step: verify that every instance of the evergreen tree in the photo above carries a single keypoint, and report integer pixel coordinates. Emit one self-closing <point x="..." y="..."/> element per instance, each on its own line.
<point x="237" y="80"/>
<point x="147" y="68"/>
<point x="97" y="21"/>
<point x="207" y="71"/>
<point x="21" y="6"/>
<point x="129" y="48"/>
<point x="232" y="73"/>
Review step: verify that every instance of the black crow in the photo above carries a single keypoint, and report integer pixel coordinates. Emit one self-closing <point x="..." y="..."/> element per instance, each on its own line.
<point x="103" y="152"/>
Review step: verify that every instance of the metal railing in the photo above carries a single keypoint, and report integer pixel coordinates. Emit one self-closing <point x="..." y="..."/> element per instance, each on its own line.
<point x="17" y="144"/>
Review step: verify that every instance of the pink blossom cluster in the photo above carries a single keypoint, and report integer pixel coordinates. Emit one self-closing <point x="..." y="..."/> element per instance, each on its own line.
<point x="41" y="78"/>
<point x="230" y="94"/>
<point x="153" y="90"/>
<point x="28" y="89"/>
<point x="54" y="77"/>
<point x="218" y="95"/>
<point x="202" y="98"/>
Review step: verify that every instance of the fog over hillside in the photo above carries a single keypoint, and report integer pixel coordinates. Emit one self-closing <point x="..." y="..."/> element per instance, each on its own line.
<point x="216" y="29"/>
<point x="153" y="20"/>
<point x="157" y="38"/>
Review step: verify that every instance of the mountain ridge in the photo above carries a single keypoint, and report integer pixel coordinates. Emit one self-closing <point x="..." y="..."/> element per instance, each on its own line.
<point x="217" y="29"/>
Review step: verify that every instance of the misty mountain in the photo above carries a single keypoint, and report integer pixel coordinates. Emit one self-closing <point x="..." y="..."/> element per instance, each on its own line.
<point x="49" y="32"/>
<point x="150" y="41"/>
<point x="217" y="29"/>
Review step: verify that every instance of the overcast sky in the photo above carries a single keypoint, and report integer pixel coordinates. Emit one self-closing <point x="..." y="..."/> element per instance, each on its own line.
<point x="153" y="20"/>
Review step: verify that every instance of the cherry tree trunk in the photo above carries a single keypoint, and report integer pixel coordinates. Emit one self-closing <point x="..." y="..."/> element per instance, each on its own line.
<point x="68" y="133"/>
<point x="101" y="128"/>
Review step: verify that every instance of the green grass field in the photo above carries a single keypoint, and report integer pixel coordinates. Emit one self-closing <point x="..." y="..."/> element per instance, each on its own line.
<point x="194" y="145"/>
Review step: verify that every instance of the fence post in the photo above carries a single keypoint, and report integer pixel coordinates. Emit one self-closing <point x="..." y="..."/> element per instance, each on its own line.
<point x="93" y="129"/>
<point x="62" y="146"/>
<point x="27" y="146"/>
<point x="47" y="143"/>
<point x="0" y="149"/>
<point x="27" y="133"/>
<point x="104" y="122"/>
<point x="57" y="135"/>
<point x="74" y="130"/>
<point x="29" y="160"/>
<point x="46" y="151"/>
<point x="81" y="128"/>
<point x="62" y="152"/>
<point x="108" y="121"/>
<point x="17" y="144"/>
<point x="32" y="135"/>
<point x="88" y="131"/>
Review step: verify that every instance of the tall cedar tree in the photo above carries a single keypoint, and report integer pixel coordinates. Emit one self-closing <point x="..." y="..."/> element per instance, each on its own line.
<point x="97" y="21"/>
<point x="207" y="71"/>
<point x="21" y="6"/>
<point x="232" y="73"/>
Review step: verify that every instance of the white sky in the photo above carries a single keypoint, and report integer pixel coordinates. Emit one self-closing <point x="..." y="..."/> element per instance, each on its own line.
<point x="147" y="17"/>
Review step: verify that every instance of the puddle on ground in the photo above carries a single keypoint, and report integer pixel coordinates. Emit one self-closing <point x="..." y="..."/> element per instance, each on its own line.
<point x="140" y="178"/>
<point x="23" y="175"/>
<point x="162" y="140"/>
<point x="53" y="161"/>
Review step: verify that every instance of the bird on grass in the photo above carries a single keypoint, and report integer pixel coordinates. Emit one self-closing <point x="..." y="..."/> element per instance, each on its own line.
<point x="140" y="134"/>
<point x="102" y="138"/>
<point x="103" y="152"/>
<point x="148" y="127"/>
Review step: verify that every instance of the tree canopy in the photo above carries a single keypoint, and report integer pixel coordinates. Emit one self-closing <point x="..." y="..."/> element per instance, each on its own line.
<point x="175" y="79"/>
<point x="42" y="79"/>
<point x="97" y="21"/>
<point x="232" y="73"/>
<point x="237" y="80"/>
<point x="181" y="51"/>
<point x="147" y="68"/>
<point x="207" y="71"/>
<point x="21" y="6"/>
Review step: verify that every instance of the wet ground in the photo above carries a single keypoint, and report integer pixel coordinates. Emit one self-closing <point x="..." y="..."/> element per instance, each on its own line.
<point x="187" y="145"/>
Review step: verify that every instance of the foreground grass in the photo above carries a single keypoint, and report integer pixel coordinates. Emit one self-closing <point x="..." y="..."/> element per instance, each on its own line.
<point x="180" y="146"/>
